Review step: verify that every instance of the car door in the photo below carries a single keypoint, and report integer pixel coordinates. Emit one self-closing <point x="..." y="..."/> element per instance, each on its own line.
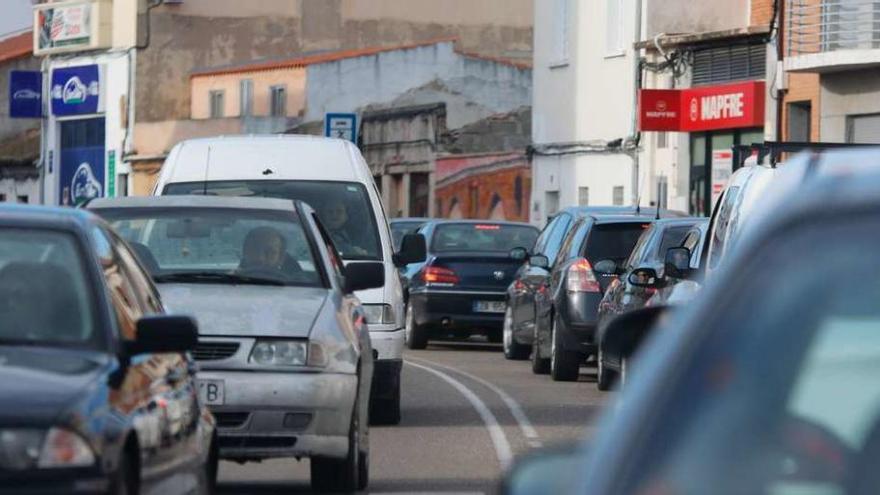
<point x="536" y="280"/>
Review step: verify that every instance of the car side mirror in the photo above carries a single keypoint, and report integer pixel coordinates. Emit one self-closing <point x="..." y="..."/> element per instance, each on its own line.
<point x="551" y="470"/>
<point x="519" y="254"/>
<point x="644" y="277"/>
<point x="606" y="267"/>
<point x="678" y="262"/>
<point x="164" y="334"/>
<point x="539" y="261"/>
<point x="413" y="249"/>
<point x="363" y="276"/>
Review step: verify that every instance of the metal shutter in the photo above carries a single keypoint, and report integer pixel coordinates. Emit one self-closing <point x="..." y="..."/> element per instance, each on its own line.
<point x="863" y="129"/>
<point x="729" y="63"/>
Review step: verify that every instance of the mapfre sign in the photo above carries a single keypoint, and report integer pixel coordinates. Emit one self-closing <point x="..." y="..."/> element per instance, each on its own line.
<point x="728" y="106"/>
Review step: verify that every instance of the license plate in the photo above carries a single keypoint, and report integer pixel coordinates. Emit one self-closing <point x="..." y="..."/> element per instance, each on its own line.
<point x="211" y="392"/>
<point x="489" y="306"/>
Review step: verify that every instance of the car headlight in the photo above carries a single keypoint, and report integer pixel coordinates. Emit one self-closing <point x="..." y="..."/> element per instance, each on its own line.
<point x="288" y="353"/>
<point x="379" y="314"/>
<point x="22" y="449"/>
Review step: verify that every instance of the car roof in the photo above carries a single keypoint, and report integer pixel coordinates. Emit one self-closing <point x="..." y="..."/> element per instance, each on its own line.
<point x="672" y="222"/>
<point x="608" y="219"/>
<point x="192" y="202"/>
<point x="585" y="211"/>
<point x="45" y="216"/>
<point x="446" y="221"/>
<point x="410" y="220"/>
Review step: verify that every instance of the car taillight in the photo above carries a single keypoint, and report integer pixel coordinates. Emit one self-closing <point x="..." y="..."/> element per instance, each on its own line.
<point x="439" y="276"/>
<point x="581" y="277"/>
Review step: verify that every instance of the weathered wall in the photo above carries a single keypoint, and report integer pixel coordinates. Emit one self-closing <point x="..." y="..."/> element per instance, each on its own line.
<point x="500" y="183"/>
<point x="293" y="78"/>
<point x="846" y="94"/>
<point x="208" y="33"/>
<point x="689" y="16"/>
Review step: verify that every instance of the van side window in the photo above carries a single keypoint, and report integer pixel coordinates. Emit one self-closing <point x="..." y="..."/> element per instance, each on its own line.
<point x="720" y="234"/>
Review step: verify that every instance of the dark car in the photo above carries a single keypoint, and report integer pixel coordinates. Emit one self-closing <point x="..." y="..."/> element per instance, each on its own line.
<point x="768" y="383"/>
<point x="96" y="386"/>
<point x="642" y="275"/>
<point x="459" y="290"/>
<point x="567" y="308"/>
<point x="529" y="280"/>
<point x="403" y="226"/>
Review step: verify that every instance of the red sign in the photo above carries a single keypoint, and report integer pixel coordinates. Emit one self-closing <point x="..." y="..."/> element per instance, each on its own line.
<point x="727" y="106"/>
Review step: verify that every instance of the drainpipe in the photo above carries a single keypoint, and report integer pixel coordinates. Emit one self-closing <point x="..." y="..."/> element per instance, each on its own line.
<point x="637" y="83"/>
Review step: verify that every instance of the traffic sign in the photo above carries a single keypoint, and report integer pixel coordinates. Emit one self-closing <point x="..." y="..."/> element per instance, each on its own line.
<point x="341" y="126"/>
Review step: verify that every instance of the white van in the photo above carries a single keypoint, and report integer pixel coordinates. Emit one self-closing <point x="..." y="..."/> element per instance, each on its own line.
<point x="332" y="177"/>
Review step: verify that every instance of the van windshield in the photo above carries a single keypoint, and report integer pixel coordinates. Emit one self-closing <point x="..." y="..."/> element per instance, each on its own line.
<point x="343" y="207"/>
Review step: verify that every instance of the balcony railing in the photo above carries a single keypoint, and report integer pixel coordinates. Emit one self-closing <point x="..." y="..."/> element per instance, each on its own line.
<point x="817" y="26"/>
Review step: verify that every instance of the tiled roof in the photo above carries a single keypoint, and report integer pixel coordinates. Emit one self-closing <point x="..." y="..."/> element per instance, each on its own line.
<point x="321" y="58"/>
<point x="17" y="46"/>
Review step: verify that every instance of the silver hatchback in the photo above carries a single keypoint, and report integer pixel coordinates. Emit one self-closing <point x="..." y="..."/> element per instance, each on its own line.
<point x="284" y="352"/>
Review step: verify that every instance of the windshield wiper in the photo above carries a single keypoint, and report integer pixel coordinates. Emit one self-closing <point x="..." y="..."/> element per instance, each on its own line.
<point x="216" y="277"/>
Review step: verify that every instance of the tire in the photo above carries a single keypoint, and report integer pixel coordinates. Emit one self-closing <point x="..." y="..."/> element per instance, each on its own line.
<point x="604" y="377"/>
<point x="125" y="481"/>
<point x="416" y="335"/>
<point x="565" y="366"/>
<point x="540" y="366"/>
<point x="386" y="410"/>
<point x="512" y="349"/>
<point x="364" y="470"/>
<point x="340" y="475"/>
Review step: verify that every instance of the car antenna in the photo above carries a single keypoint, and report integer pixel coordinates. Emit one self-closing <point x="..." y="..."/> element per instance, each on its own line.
<point x="658" y="211"/>
<point x="639" y="205"/>
<point x="207" y="166"/>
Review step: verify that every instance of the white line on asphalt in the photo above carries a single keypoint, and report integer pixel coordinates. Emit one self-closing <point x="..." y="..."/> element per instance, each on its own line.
<point x="515" y="409"/>
<point x="496" y="433"/>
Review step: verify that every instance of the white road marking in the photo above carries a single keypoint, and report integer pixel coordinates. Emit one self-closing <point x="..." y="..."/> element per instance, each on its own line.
<point x="496" y="433"/>
<point x="516" y="410"/>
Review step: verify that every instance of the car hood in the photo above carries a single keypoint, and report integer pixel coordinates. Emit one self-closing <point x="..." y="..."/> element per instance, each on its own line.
<point x="38" y="384"/>
<point x="246" y="310"/>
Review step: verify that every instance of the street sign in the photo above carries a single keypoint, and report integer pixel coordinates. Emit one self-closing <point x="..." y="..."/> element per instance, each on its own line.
<point x="341" y="126"/>
<point x="25" y="94"/>
<point x="77" y="90"/>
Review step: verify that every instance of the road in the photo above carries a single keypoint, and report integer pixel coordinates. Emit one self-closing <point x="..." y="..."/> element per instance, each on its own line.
<point x="466" y="412"/>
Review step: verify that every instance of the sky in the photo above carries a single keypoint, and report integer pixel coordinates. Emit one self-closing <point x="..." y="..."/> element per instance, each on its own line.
<point x="16" y="15"/>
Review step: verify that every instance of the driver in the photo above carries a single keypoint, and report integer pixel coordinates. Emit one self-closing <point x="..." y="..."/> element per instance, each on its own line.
<point x="334" y="216"/>
<point x="264" y="249"/>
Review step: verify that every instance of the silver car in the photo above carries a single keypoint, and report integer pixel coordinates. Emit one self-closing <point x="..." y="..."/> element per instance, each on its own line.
<point x="284" y="351"/>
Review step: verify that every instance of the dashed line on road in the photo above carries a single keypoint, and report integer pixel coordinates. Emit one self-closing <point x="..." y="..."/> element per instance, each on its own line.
<point x="496" y="432"/>
<point x="516" y="410"/>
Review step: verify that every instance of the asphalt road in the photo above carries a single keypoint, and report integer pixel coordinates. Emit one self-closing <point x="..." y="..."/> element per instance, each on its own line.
<point x="467" y="412"/>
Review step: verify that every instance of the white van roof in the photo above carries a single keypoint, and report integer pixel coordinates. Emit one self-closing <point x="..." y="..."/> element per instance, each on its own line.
<point x="268" y="157"/>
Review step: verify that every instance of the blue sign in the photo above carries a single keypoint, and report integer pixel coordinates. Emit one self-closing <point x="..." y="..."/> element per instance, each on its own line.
<point x="341" y="126"/>
<point x="25" y="94"/>
<point x="82" y="175"/>
<point x="76" y="90"/>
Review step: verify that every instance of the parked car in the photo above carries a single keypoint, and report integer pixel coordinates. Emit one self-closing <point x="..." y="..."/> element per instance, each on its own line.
<point x="529" y="280"/>
<point x="768" y="383"/>
<point x="641" y="276"/>
<point x="459" y="290"/>
<point x="96" y="386"/>
<point x="567" y="309"/>
<point x="684" y="265"/>
<point x="284" y="352"/>
<point x="332" y="177"/>
<point x="400" y="227"/>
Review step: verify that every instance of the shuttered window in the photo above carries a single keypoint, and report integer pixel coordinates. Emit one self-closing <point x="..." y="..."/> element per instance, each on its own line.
<point x="729" y="63"/>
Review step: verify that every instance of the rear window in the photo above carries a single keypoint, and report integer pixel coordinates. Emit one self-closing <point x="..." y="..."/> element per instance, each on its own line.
<point x="482" y="237"/>
<point x="613" y="241"/>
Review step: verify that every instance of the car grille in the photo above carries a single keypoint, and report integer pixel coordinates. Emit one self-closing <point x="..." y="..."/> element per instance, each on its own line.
<point x="231" y="419"/>
<point x="213" y="351"/>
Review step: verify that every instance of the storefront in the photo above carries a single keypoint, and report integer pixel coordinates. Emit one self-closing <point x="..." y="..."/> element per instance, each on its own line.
<point x="716" y="118"/>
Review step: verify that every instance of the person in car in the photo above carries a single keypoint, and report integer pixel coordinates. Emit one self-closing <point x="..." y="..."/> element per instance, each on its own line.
<point x="265" y="250"/>
<point x="334" y="216"/>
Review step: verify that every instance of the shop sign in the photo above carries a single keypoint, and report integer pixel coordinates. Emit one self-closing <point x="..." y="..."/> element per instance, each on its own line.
<point x="25" y="94"/>
<point x="77" y="91"/>
<point x="68" y="26"/>
<point x="727" y="106"/>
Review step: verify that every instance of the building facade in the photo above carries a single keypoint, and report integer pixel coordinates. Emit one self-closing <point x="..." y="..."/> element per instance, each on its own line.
<point x="19" y="137"/>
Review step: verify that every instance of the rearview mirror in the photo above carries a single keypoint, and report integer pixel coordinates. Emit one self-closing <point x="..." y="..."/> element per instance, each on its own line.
<point x="164" y="334"/>
<point x="363" y="276"/>
<point x="644" y="277"/>
<point x="550" y="470"/>
<point x="519" y="254"/>
<point x="539" y="261"/>
<point x="413" y="249"/>
<point x="678" y="262"/>
<point x="606" y="267"/>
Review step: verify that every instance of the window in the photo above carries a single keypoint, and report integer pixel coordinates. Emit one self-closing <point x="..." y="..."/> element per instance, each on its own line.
<point x="246" y="95"/>
<point x="480" y="237"/>
<point x="574" y="240"/>
<point x="720" y="232"/>
<point x="22" y="198"/>
<point x="863" y="129"/>
<point x="583" y="196"/>
<point x="617" y="196"/>
<point x="729" y="63"/>
<point x="122" y="184"/>
<point x="278" y="103"/>
<point x="663" y="192"/>
<point x="799" y="114"/>
<point x="614" y="28"/>
<point x="554" y="240"/>
<point x="551" y="200"/>
<point x="614" y="241"/>
<point x="672" y="237"/>
<point x="561" y="13"/>
<point x="216" y="104"/>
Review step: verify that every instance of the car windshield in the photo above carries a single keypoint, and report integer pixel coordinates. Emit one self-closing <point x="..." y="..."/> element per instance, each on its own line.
<point x="783" y="396"/>
<point x="400" y="229"/>
<point x="45" y="297"/>
<point x="220" y="245"/>
<point x="613" y="241"/>
<point x="343" y="207"/>
<point x="482" y="237"/>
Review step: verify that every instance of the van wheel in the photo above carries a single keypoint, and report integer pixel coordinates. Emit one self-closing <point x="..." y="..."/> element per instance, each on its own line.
<point x="340" y="475"/>
<point x="416" y="335"/>
<point x="564" y="365"/>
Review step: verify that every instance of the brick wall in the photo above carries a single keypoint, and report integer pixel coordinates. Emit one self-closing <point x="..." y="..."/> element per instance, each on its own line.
<point x="761" y="12"/>
<point x="455" y="196"/>
<point x="803" y="88"/>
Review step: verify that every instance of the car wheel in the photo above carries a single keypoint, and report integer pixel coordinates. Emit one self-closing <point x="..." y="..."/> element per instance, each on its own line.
<point x="540" y="365"/>
<point x="386" y="410"/>
<point x="125" y="482"/>
<point x="416" y="335"/>
<point x="564" y="365"/>
<point x="512" y="348"/>
<point x="340" y="475"/>
<point x="603" y="375"/>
